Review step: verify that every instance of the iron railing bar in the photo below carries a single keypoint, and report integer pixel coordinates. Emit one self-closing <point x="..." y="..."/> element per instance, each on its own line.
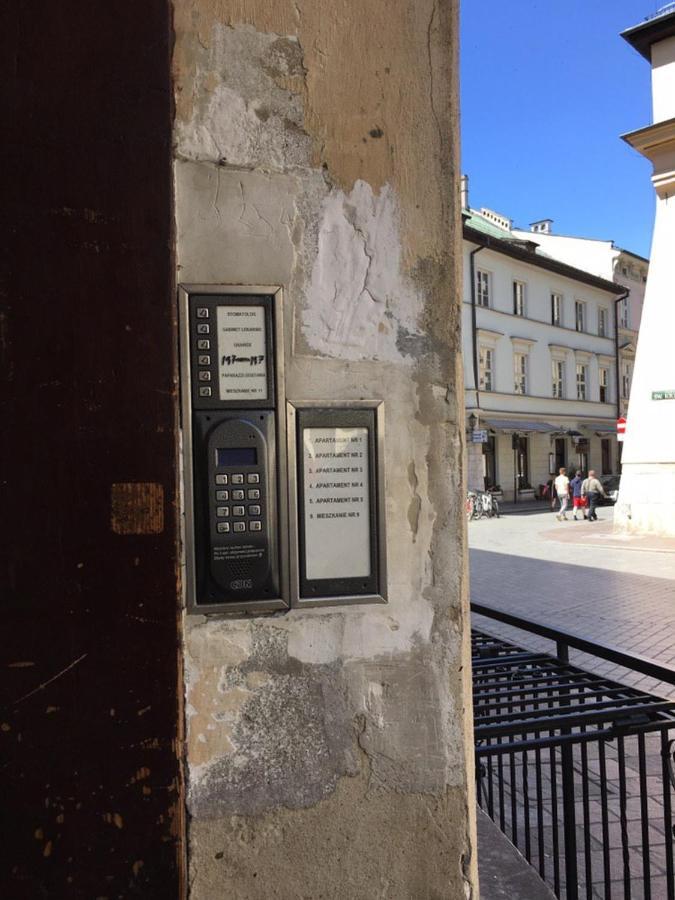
<point x="480" y="700"/>
<point x="609" y="734"/>
<point x="633" y="661"/>
<point x="644" y="818"/>
<point x="602" y="713"/>
<point x="624" y="819"/>
<point x="605" y="820"/>
<point x="667" y="812"/>
<point x="554" y="822"/>
<point x="571" y="676"/>
<point x="588" y="868"/>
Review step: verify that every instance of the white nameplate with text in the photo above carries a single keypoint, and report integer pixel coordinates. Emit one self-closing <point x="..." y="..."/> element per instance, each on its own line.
<point x="336" y="503"/>
<point x="242" y="353"/>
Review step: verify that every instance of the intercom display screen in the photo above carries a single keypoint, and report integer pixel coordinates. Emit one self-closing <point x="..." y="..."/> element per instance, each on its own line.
<point x="236" y="456"/>
<point x="336" y="502"/>
<point x="242" y="353"/>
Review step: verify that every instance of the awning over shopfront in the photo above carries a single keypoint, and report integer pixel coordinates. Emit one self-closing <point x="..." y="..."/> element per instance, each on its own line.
<point x="602" y="427"/>
<point x="521" y="425"/>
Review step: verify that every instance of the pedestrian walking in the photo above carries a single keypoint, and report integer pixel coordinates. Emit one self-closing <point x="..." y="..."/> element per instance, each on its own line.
<point x="592" y="489"/>
<point x="562" y="489"/>
<point x="578" y="501"/>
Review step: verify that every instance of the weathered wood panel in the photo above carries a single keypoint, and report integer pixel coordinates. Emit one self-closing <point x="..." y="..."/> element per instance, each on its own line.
<point x="89" y="663"/>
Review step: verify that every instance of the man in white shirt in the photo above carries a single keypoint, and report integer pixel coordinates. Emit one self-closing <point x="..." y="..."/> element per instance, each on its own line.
<point x="562" y="489"/>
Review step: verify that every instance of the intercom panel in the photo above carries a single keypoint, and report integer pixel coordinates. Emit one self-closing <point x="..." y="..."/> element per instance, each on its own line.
<point x="234" y="449"/>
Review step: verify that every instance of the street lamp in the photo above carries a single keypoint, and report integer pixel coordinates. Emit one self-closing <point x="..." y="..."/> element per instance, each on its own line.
<point x="473" y="421"/>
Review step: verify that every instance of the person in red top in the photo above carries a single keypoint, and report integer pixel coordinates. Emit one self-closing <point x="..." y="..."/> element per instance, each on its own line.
<point x="578" y="500"/>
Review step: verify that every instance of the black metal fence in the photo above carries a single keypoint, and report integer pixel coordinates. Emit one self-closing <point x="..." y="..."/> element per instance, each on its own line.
<point x="576" y="769"/>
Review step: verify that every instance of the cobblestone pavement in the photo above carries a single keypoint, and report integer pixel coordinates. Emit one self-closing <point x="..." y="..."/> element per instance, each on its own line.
<point x="529" y="565"/>
<point x="579" y="577"/>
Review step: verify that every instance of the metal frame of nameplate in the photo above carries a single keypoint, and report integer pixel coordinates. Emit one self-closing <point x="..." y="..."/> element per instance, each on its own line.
<point x="320" y="417"/>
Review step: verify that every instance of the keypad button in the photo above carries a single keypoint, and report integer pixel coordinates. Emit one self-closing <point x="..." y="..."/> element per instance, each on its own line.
<point x="204" y="376"/>
<point x="253" y="478"/>
<point x="237" y="495"/>
<point x="222" y="495"/>
<point x="237" y="479"/>
<point x="204" y="391"/>
<point x="202" y="312"/>
<point x="203" y="328"/>
<point x="254" y="510"/>
<point x="203" y="344"/>
<point x="255" y="526"/>
<point x="254" y="494"/>
<point x="204" y="359"/>
<point x="222" y="511"/>
<point x="238" y="510"/>
<point x="223" y="527"/>
<point x="240" y="526"/>
<point x="221" y="479"/>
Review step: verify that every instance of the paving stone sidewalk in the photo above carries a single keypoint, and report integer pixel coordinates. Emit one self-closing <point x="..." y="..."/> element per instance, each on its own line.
<point x="558" y="576"/>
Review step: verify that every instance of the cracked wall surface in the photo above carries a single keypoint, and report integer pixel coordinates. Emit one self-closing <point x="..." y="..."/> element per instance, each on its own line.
<point x="328" y="750"/>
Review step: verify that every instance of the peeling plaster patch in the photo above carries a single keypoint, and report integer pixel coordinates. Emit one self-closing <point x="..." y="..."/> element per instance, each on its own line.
<point x="281" y="735"/>
<point x="357" y="282"/>
<point x="235" y="225"/>
<point x="251" y="112"/>
<point x="384" y="631"/>
<point x="415" y="505"/>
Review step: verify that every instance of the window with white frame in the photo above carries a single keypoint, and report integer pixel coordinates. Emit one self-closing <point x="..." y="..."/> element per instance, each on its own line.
<point x="624" y="313"/>
<point x="580" y="315"/>
<point x="602" y="322"/>
<point x="603" y="381"/>
<point x="518" y="298"/>
<point x="485" y="368"/>
<point x="626" y="378"/>
<point x="556" y="309"/>
<point x="520" y="373"/>
<point x="582" y="381"/>
<point x="482" y="287"/>
<point x="558" y="377"/>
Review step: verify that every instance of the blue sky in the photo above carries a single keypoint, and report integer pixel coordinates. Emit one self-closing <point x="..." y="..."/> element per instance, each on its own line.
<point x="548" y="86"/>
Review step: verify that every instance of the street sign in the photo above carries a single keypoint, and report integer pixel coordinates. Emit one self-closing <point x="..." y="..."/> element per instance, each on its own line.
<point x="479" y="436"/>
<point x="620" y="428"/>
<point x="663" y="395"/>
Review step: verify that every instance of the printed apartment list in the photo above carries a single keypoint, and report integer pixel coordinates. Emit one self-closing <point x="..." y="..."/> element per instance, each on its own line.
<point x="336" y="503"/>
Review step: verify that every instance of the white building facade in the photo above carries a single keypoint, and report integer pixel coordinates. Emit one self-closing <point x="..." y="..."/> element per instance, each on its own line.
<point x="540" y="362"/>
<point x="606" y="260"/>
<point x="647" y="492"/>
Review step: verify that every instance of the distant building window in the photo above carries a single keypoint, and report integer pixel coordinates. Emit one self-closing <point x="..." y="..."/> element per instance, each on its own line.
<point x="602" y="321"/>
<point x="518" y="298"/>
<point x="580" y="315"/>
<point x="558" y="374"/>
<point x="624" y="314"/>
<point x="482" y="288"/>
<point x="520" y="373"/>
<point x="624" y="270"/>
<point x="556" y="309"/>
<point x="603" y="379"/>
<point x="485" y="368"/>
<point x="626" y="378"/>
<point x="582" y="380"/>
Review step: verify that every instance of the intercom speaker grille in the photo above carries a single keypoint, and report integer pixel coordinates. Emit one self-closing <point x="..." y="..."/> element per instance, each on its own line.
<point x="239" y="569"/>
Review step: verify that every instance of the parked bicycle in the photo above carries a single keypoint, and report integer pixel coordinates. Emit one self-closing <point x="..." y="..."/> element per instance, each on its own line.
<point x="481" y="505"/>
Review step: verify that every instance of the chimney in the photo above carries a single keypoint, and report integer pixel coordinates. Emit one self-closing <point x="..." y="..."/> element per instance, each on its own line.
<point x="543" y="226"/>
<point x="464" y="191"/>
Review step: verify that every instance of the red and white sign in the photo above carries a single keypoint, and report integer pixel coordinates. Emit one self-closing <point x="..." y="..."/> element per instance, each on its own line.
<point x="620" y="428"/>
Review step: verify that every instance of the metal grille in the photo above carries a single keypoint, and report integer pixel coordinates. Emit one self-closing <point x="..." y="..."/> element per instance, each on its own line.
<point x="576" y="770"/>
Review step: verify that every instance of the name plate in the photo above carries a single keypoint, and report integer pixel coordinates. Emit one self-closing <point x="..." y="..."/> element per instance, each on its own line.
<point x="336" y="457"/>
<point x="242" y="353"/>
<point x="336" y="502"/>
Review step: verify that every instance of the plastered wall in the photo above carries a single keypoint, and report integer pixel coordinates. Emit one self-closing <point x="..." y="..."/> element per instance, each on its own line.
<point x="329" y="751"/>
